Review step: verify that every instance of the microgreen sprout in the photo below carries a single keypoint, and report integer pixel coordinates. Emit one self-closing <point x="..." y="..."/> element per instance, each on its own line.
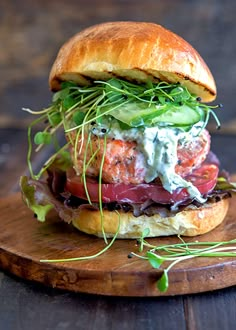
<point x="100" y="190"/>
<point x="133" y="105"/>
<point x="108" y="245"/>
<point x="180" y="252"/>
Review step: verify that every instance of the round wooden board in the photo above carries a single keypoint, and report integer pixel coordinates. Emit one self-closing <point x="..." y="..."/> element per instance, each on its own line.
<point x="24" y="242"/>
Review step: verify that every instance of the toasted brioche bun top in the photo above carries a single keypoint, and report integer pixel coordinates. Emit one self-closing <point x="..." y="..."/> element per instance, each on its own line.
<point x="135" y="51"/>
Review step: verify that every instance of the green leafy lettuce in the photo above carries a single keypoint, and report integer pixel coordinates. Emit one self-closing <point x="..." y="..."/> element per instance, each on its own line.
<point x="28" y="193"/>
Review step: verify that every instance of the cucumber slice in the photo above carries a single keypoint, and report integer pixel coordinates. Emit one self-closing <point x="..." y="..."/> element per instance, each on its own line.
<point x="140" y="114"/>
<point x="180" y="116"/>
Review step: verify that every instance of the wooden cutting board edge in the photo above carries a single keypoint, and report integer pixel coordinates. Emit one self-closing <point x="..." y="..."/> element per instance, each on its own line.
<point x="128" y="279"/>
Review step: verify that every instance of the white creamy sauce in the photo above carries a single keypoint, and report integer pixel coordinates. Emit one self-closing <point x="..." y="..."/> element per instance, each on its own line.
<point x="159" y="147"/>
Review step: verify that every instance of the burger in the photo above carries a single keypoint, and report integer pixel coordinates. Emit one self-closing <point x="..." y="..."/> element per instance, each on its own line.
<point x="131" y="99"/>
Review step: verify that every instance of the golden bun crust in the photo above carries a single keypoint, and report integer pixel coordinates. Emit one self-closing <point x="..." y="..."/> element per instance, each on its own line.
<point x="135" y="51"/>
<point x="189" y="222"/>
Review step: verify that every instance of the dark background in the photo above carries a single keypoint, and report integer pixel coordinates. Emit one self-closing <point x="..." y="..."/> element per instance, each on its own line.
<point x="31" y="33"/>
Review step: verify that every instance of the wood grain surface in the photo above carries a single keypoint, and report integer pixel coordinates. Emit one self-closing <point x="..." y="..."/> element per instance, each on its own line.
<point x="31" y="33"/>
<point x="25" y="241"/>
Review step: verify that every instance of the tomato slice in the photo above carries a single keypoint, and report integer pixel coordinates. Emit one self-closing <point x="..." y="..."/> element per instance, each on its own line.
<point x="203" y="178"/>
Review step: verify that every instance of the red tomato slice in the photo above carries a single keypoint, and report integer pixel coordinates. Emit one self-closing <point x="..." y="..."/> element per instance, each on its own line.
<point x="204" y="178"/>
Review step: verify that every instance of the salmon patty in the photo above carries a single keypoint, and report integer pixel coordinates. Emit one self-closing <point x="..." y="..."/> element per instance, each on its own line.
<point x="123" y="161"/>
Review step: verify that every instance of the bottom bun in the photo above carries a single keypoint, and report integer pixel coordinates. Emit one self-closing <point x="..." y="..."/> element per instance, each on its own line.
<point x="191" y="221"/>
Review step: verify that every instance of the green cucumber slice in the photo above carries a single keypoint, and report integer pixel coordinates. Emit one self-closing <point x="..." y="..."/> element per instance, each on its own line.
<point x="135" y="115"/>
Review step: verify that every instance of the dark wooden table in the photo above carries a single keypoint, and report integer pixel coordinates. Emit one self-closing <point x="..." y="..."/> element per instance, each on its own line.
<point x="31" y="33"/>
